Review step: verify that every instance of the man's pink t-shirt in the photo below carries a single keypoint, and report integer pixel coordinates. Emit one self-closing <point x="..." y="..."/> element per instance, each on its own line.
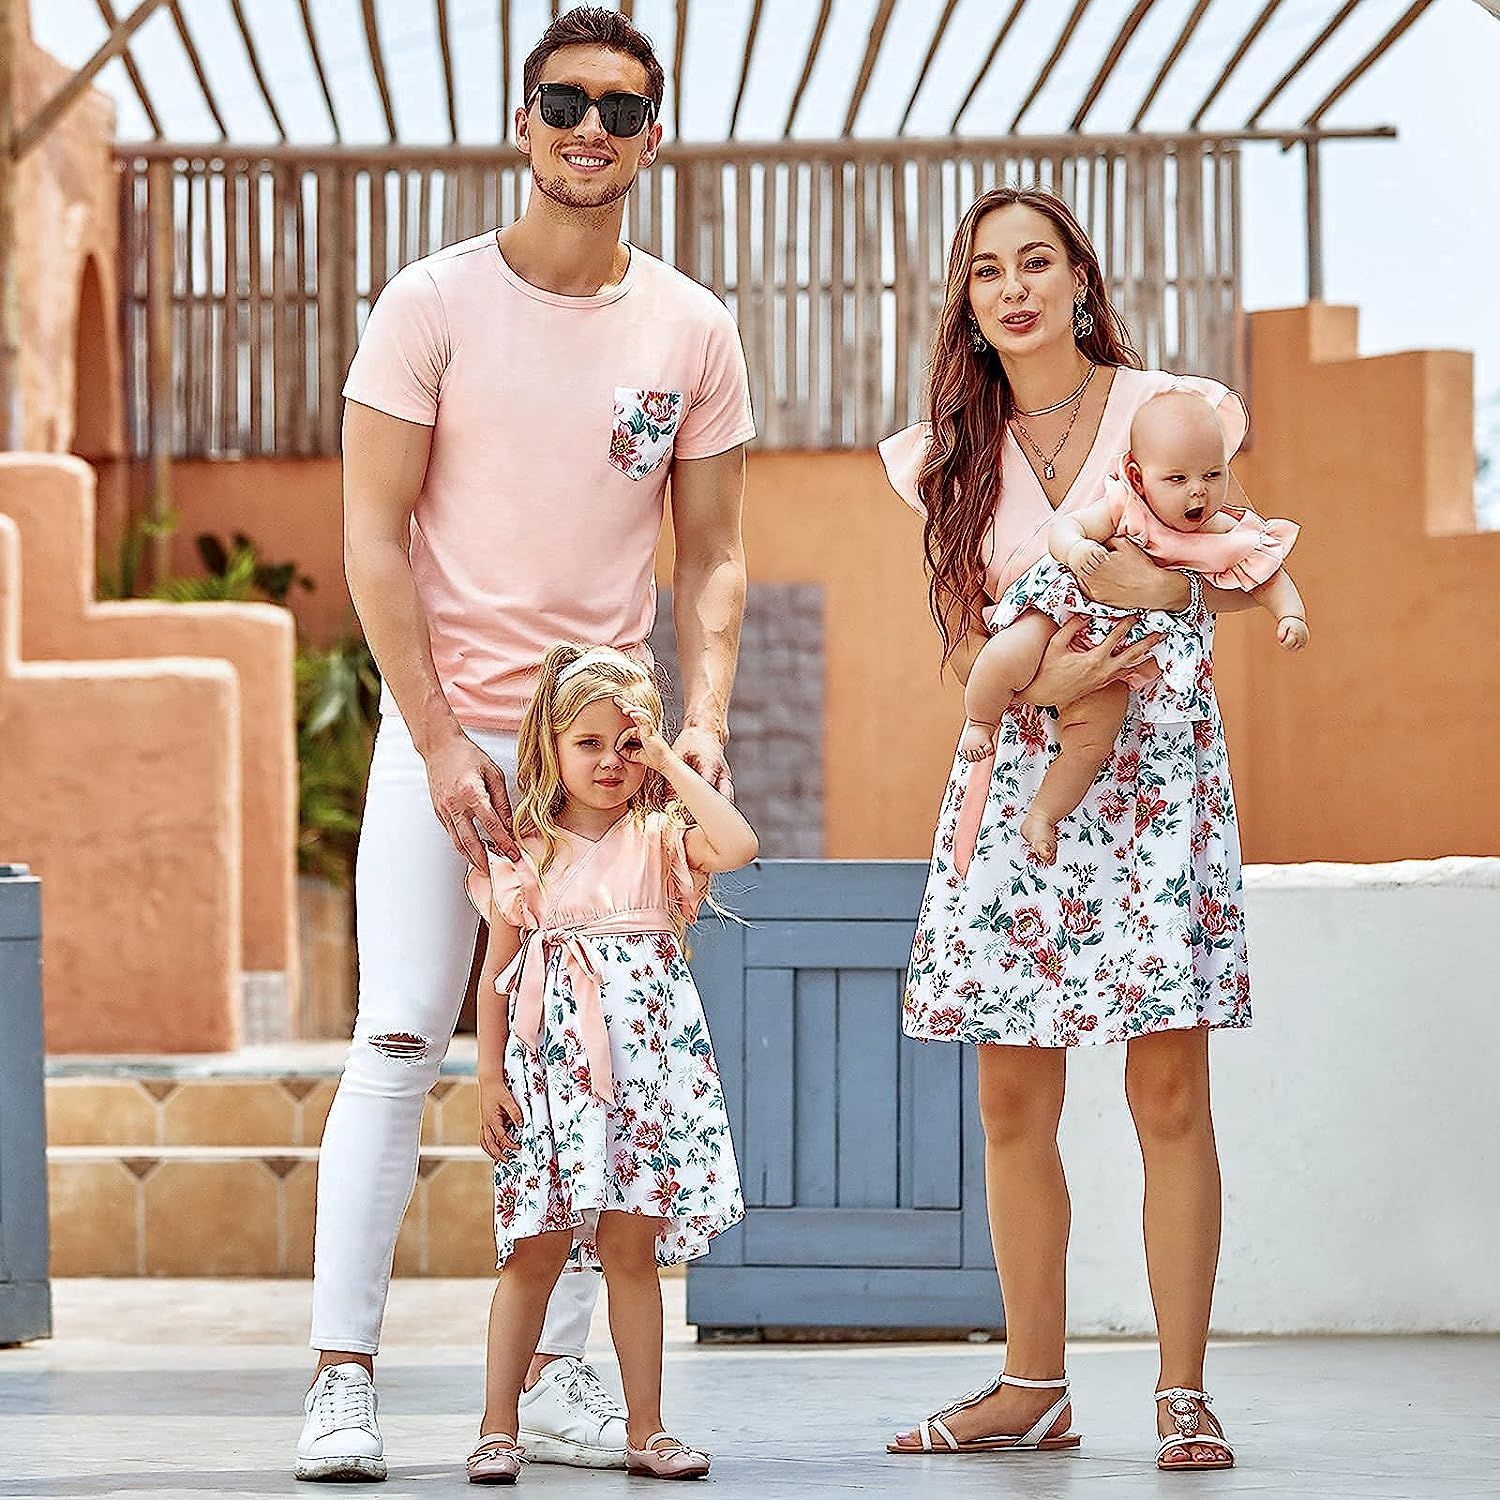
<point x="555" y="424"/>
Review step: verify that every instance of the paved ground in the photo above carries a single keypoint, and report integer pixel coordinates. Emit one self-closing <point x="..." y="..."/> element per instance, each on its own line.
<point x="190" y="1389"/>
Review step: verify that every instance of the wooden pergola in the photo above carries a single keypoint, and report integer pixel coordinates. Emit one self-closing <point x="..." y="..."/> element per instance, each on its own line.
<point x="249" y="265"/>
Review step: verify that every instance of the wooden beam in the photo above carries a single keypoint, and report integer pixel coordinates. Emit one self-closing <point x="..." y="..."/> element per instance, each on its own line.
<point x="1493" y="6"/>
<point x="867" y="67"/>
<point x="1121" y="42"/>
<point x="504" y="6"/>
<point x="1079" y="7"/>
<point x="260" y="77"/>
<point x="111" y="20"/>
<point x="932" y="47"/>
<point x="627" y="9"/>
<point x="679" y="47"/>
<point x="1169" y="62"/>
<point x="1309" y="52"/>
<point x="1373" y="56"/>
<point x="318" y="68"/>
<point x="445" y="46"/>
<point x="813" y="48"/>
<point x="1236" y="58"/>
<point x="196" y="63"/>
<point x="377" y="65"/>
<point x="112" y="46"/>
<point x="739" y="93"/>
<point x="1005" y="29"/>
<point x="10" y="296"/>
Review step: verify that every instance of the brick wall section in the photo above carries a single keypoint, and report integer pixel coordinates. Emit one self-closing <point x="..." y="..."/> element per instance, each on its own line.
<point x="776" y="717"/>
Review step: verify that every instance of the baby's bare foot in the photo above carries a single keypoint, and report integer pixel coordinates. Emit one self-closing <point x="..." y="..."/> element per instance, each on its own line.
<point x="977" y="741"/>
<point x="1040" y="835"/>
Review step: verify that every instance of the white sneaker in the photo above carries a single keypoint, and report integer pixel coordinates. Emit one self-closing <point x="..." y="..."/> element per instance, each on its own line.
<point x="341" y="1437"/>
<point x="568" y="1417"/>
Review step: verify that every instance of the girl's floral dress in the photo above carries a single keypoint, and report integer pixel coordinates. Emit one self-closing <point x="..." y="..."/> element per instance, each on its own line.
<point x="1139" y="925"/>
<point x="609" y="1057"/>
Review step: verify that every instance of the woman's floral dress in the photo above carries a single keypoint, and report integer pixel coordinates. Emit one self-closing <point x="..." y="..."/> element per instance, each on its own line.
<point x="1139" y="925"/>
<point x="600" y="947"/>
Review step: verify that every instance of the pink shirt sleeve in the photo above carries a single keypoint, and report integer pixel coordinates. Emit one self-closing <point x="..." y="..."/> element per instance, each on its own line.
<point x="903" y="454"/>
<point x="398" y="368"/>
<point x="718" y="415"/>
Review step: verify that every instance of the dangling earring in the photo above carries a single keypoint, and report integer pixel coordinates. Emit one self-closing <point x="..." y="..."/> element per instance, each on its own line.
<point x="1083" y="319"/>
<point x="977" y="341"/>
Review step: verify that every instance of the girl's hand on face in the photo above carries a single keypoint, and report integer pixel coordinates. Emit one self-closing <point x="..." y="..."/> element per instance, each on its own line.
<point x="499" y="1114"/>
<point x="643" y="743"/>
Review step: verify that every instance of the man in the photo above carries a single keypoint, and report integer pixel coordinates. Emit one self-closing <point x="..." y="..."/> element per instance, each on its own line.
<point x="516" y="407"/>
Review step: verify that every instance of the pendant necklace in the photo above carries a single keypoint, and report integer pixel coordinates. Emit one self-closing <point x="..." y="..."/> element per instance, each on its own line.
<point x="1049" y="468"/>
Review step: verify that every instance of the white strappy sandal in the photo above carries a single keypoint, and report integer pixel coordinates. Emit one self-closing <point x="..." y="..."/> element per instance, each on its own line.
<point x="496" y="1459"/>
<point x="1187" y="1408"/>
<point x="1033" y="1440"/>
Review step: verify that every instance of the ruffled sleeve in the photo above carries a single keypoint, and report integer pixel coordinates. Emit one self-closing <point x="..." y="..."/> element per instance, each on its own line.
<point x="1268" y="545"/>
<point x="1229" y="405"/>
<point x="686" y="887"/>
<point x="902" y="453"/>
<point x="504" y="889"/>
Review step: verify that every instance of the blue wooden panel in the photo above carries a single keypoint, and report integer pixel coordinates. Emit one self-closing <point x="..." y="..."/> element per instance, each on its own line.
<point x="978" y="1250"/>
<point x="868" y="1084"/>
<point x="767" y="1173"/>
<point x="812" y="1296"/>
<point x="931" y="1133"/>
<point x="829" y="945"/>
<point x="716" y="951"/>
<point x="852" y="1237"/>
<point x="862" y="889"/>
<point x="815" y="1111"/>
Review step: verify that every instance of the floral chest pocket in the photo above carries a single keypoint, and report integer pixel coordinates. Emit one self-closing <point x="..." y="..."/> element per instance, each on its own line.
<point x="645" y="424"/>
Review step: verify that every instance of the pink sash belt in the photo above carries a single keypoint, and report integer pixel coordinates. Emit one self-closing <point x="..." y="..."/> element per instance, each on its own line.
<point x="526" y="976"/>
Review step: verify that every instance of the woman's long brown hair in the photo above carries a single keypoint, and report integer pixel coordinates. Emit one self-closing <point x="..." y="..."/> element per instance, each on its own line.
<point x="969" y="401"/>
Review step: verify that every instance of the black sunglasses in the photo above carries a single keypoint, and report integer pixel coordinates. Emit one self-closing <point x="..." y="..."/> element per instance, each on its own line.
<point x="565" y="104"/>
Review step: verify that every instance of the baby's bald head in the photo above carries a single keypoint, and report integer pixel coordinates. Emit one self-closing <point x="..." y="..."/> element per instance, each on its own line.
<point x="1177" y="427"/>
<point x="1178" y="459"/>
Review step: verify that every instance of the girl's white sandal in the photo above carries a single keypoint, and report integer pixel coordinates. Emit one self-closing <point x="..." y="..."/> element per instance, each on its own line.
<point x="496" y="1459"/>
<point x="673" y="1461"/>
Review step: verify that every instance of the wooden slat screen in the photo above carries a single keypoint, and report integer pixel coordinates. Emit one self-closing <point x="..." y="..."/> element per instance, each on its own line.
<point x="833" y="265"/>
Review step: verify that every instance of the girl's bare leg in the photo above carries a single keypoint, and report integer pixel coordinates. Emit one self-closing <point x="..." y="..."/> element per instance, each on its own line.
<point x="1166" y="1083"/>
<point x="1005" y="664"/>
<point x="516" y="1313"/>
<point x="1086" y="734"/>
<point x="1020" y="1105"/>
<point x="627" y="1251"/>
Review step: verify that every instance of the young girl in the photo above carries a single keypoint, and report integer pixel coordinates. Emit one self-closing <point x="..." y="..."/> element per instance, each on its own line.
<point x="600" y="1101"/>
<point x="1167" y="495"/>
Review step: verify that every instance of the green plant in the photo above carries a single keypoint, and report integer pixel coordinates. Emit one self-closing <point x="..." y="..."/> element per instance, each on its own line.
<point x="338" y="693"/>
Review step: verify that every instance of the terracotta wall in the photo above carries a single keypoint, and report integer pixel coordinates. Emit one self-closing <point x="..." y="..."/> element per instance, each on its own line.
<point x="119" y="786"/>
<point x="72" y="391"/>
<point x="51" y="501"/>
<point x="1380" y="742"/>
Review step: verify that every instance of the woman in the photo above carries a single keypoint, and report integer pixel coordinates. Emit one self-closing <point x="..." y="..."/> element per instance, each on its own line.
<point x="1136" y="932"/>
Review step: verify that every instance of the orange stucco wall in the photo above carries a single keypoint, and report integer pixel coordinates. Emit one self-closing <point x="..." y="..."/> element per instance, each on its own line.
<point x="51" y="501"/>
<point x="67" y="213"/>
<point x="119" y="786"/>
<point x="1382" y="741"/>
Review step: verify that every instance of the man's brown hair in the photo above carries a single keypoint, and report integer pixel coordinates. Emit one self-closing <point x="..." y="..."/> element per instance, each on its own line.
<point x="594" y="26"/>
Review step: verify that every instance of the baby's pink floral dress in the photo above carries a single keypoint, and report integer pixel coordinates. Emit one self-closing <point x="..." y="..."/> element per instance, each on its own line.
<point x="609" y="1057"/>
<point x="1139" y="925"/>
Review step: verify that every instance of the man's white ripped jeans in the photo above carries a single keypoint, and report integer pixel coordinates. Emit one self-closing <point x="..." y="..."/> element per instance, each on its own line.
<point x="415" y="930"/>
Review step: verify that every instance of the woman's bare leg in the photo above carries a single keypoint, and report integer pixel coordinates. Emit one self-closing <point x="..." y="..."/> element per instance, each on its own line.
<point x="516" y="1311"/>
<point x="627" y="1251"/>
<point x="1005" y="664"/>
<point x="1086" y="735"/>
<point x="1020" y="1105"/>
<point x="1166" y="1083"/>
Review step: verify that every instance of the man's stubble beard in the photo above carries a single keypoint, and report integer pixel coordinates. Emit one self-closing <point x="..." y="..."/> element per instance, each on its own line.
<point x="562" y="193"/>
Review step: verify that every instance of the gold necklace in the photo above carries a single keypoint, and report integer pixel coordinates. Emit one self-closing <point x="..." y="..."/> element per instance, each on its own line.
<point x="1049" y="468"/>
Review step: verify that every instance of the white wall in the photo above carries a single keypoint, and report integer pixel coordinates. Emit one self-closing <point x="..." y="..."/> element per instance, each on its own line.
<point x="1357" y="1118"/>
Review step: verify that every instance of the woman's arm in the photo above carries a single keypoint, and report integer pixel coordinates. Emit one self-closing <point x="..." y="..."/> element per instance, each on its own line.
<point x="1066" y="675"/>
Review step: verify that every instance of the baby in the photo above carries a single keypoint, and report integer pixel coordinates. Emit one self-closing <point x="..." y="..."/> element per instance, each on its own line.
<point x="1168" y="495"/>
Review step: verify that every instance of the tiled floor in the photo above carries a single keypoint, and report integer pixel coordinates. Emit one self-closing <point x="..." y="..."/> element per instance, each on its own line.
<point x="167" y="1389"/>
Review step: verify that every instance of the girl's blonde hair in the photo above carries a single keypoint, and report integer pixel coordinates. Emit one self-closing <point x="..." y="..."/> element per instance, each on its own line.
<point x="574" y="676"/>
